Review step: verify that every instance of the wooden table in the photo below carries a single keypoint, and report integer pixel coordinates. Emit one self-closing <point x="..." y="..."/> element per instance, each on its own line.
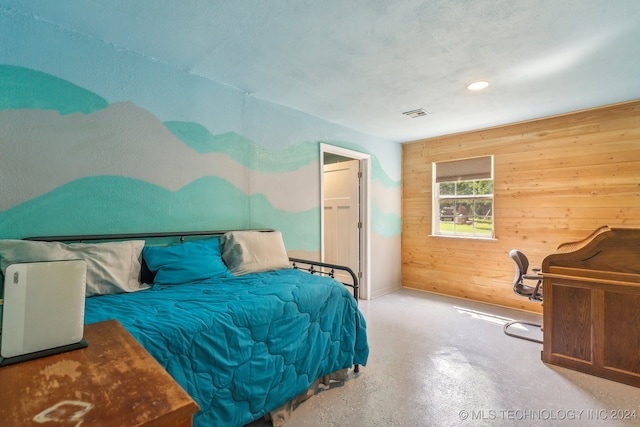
<point x="112" y="382"/>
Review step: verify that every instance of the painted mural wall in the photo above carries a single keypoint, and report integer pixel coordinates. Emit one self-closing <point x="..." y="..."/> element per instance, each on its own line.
<point x="98" y="139"/>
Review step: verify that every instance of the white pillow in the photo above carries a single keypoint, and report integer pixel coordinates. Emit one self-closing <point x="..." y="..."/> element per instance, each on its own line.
<point x="247" y="252"/>
<point x="112" y="267"/>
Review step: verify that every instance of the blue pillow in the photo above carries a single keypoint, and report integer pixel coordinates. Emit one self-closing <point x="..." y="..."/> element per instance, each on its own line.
<point x="186" y="262"/>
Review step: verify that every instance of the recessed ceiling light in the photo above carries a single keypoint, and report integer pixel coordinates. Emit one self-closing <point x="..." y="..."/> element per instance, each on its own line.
<point x="478" y="85"/>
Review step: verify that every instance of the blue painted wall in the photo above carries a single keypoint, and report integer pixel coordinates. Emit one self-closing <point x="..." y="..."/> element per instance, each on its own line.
<point x="96" y="139"/>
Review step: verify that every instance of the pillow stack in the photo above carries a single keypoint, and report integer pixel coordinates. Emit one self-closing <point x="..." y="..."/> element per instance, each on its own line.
<point x="112" y="267"/>
<point x="236" y="253"/>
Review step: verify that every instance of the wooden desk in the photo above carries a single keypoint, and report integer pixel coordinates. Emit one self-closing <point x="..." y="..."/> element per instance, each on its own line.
<point x="112" y="382"/>
<point x="592" y="305"/>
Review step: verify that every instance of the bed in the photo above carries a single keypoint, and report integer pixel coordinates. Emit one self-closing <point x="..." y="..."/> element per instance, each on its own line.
<point x="241" y="327"/>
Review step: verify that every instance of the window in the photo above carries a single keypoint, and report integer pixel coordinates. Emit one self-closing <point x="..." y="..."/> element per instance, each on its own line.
<point x="463" y="197"/>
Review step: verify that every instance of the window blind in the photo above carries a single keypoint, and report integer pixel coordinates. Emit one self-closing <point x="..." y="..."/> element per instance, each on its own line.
<point x="464" y="170"/>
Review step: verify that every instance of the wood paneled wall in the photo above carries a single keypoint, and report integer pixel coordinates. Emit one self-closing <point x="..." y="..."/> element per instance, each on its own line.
<point x="556" y="180"/>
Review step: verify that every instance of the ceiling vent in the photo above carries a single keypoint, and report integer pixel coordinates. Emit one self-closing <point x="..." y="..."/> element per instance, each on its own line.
<point x="420" y="112"/>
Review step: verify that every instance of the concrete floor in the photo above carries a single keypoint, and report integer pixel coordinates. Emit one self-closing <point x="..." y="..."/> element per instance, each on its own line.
<point x="438" y="361"/>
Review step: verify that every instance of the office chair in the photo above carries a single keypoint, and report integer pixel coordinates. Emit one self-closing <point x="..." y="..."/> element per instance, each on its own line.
<point x="532" y="291"/>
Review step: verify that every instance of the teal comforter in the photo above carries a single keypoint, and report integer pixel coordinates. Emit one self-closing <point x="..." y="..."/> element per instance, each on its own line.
<point x="243" y="346"/>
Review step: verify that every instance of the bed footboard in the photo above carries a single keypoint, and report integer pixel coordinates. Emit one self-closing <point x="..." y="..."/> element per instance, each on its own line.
<point x="326" y="269"/>
<point x="317" y="267"/>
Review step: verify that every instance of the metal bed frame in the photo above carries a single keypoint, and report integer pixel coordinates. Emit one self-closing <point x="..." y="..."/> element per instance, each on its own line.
<point x="312" y="267"/>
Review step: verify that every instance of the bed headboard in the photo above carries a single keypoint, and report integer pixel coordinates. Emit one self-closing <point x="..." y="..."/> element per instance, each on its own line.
<point x="169" y="237"/>
<point x="180" y="235"/>
<point x="156" y="238"/>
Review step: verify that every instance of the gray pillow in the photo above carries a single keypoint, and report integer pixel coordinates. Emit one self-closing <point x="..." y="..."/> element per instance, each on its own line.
<point x="247" y="252"/>
<point x="112" y="267"/>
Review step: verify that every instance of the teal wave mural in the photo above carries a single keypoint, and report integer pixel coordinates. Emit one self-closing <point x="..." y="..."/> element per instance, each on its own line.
<point x="114" y="204"/>
<point x="243" y="150"/>
<point x="385" y="224"/>
<point x="255" y="157"/>
<point x="377" y="171"/>
<point x="23" y="88"/>
<point x="117" y="204"/>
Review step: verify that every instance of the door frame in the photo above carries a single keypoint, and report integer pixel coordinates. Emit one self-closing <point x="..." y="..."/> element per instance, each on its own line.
<point x="364" y="207"/>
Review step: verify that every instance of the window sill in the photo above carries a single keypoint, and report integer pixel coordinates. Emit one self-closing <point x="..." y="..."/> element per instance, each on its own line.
<point x="453" y="236"/>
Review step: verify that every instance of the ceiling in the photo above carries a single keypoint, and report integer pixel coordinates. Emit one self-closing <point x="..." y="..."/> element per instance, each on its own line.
<point x="362" y="63"/>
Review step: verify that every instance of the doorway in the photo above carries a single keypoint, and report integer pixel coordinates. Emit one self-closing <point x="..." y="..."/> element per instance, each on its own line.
<point x="345" y="211"/>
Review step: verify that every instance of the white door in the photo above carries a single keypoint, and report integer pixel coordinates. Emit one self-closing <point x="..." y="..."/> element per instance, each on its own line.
<point x="341" y="216"/>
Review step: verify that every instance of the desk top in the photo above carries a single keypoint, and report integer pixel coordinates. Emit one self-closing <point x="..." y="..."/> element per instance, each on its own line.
<point x="113" y="382"/>
<point x="612" y="250"/>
